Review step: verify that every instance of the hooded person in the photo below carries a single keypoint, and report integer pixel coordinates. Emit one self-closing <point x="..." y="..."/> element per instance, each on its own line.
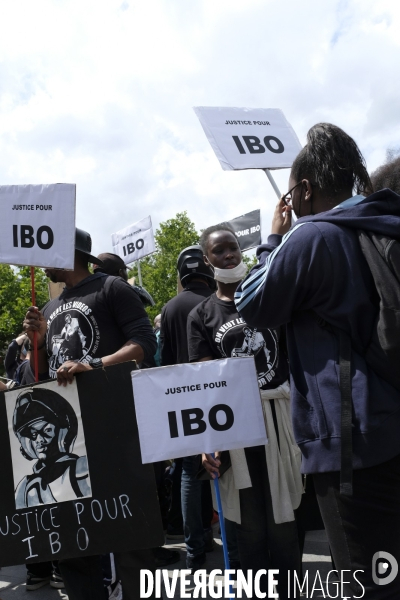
<point x="46" y="427"/>
<point x="314" y="278"/>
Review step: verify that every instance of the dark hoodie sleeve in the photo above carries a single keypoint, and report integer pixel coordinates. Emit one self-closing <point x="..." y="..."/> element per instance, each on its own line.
<point x="293" y="275"/>
<point x="167" y="351"/>
<point x="11" y="360"/>
<point x="131" y="317"/>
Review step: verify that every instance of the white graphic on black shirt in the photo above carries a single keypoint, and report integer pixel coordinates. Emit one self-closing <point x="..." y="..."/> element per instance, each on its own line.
<point x="72" y="334"/>
<point x="265" y="351"/>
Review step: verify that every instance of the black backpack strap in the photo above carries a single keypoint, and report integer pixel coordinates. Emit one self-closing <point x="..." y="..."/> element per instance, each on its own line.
<point x="346" y="442"/>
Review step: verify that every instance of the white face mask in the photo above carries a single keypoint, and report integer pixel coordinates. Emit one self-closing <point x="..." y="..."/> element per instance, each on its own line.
<point x="230" y="275"/>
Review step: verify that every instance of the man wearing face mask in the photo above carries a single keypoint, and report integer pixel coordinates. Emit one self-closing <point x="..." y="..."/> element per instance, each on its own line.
<point x="263" y="488"/>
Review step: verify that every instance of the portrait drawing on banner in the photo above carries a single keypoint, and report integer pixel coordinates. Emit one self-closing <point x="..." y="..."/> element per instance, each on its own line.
<point x="49" y="466"/>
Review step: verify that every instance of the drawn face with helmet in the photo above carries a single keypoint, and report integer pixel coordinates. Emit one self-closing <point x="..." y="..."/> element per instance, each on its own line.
<point x="45" y="424"/>
<point x="46" y="427"/>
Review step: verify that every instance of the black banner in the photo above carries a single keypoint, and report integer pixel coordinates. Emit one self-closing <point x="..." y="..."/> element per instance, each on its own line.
<point x="248" y="229"/>
<point x="73" y="483"/>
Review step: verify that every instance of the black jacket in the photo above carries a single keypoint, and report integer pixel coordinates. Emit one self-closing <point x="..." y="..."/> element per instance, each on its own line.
<point x="174" y="346"/>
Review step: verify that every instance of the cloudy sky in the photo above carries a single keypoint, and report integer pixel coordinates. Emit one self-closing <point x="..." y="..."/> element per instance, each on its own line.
<point x="100" y="93"/>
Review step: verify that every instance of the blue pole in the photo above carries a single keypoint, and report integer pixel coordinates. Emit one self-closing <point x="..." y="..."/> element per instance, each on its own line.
<point x="222" y="527"/>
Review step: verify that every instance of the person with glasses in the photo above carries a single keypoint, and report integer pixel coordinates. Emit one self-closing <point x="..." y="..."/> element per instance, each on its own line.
<point x="313" y="277"/>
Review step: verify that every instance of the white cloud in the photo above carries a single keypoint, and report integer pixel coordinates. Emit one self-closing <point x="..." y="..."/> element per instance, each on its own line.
<point x="101" y="94"/>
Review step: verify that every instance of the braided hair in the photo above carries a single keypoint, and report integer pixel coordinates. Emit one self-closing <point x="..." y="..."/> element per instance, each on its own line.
<point x="332" y="160"/>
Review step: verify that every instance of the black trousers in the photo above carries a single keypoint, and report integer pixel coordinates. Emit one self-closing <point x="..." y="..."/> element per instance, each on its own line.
<point x="83" y="577"/>
<point x="175" y="518"/>
<point x="262" y="543"/>
<point x="361" y="525"/>
<point x="42" y="569"/>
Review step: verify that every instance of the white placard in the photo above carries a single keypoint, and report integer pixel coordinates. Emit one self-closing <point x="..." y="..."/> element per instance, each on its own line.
<point x="135" y="241"/>
<point x="37" y="226"/>
<point x="249" y="138"/>
<point x="200" y="407"/>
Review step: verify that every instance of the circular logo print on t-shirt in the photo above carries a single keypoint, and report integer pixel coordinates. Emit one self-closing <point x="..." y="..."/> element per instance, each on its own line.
<point x="236" y="338"/>
<point x="72" y="334"/>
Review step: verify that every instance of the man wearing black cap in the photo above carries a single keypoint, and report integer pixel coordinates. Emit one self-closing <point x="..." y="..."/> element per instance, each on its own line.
<point x="96" y="321"/>
<point x="198" y="283"/>
<point x="112" y="264"/>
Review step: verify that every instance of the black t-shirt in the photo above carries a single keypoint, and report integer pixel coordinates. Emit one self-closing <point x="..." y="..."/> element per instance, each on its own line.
<point x="216" y="329"/>
<point x="94" y="319"/>
<point x="173" y="337"/>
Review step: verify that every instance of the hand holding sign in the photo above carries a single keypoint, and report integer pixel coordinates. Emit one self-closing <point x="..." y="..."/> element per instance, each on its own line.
<point x="102" y="498"/>
<point x="211" y="464"/>
<point x="68" y="370"/>
<point x="198" y="407"/>
<point x="35" y="322"/>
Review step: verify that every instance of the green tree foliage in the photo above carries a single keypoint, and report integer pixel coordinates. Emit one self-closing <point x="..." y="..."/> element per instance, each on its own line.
<point x="159" y="274"/>
<point x="15" y="299"/>
<point x="249" y="261"/>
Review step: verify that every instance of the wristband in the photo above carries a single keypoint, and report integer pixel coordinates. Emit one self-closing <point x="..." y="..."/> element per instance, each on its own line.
<point x="96" y="363"/>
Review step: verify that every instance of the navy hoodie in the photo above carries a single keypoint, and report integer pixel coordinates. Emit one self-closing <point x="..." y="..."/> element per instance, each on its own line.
<point x="318" y="267"/>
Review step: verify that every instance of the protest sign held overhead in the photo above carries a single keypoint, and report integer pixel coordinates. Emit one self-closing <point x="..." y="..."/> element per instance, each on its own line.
<point x="249" y="138"/>
<point x="134" y="242"/>
<point x="73" y="483"/>
<point x="247" y="229"/>
<point x="198" y="407"/>
<point x="37" y="226"/>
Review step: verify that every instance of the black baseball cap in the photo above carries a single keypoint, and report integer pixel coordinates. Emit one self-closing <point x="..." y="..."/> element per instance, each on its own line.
<point x="109" y="263"/>
<point x="83" y="244"/>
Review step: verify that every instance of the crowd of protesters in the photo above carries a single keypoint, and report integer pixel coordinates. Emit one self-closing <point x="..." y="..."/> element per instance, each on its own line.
<point x="307" y="313"/>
